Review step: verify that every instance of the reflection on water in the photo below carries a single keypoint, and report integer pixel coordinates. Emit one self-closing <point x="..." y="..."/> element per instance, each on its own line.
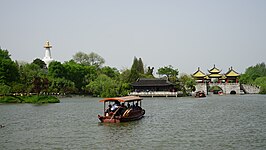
<point x="214" y="122"/>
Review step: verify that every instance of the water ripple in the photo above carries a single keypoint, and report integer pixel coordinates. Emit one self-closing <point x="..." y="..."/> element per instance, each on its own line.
<point x="215" y="122"/>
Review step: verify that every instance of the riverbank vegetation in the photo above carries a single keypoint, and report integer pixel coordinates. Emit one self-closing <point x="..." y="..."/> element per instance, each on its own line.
<point x="29" y="99"/>
<point x="86" y="74"/>
<point x="255" y="75"/>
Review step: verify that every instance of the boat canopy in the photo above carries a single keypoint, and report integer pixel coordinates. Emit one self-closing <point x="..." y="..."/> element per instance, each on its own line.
<point x="122" y="99"/>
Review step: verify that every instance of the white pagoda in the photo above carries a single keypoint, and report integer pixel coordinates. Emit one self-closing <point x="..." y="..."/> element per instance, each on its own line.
<point x="48" y="57"/>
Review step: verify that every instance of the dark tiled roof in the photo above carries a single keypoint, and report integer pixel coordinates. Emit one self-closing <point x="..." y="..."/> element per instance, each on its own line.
<point x="152" y="82"/>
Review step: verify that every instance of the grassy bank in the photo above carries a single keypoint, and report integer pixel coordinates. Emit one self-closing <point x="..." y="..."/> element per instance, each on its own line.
<point x="29" y="99"/>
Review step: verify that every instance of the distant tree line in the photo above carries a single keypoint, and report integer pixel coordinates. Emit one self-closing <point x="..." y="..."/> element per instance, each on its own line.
<point x="84" y="74"/>
<point x="255" y="75"/>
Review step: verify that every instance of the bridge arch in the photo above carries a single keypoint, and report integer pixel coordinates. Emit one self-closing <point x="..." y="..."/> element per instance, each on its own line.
<point x="232" y="92"/>
<point x="226" y="88"/>
<point x="215" y="89"/>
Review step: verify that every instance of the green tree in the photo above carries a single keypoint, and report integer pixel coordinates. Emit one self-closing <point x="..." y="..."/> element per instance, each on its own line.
<point x="96" y="60"/>
<point x="80" y="74"/>
<point x="169" y="72"/>
<point x="188" y="83"/>
<point x="18" y="88"/>
<point x="263" y="89"/>
<point x="125" y="75"/>
<point x="27" y="74"/>
<point x="37" y="85"/>
<point x="137" y="70"/>
<point x="255" y="75"/>
<point x="134" y="75"/>
<point x="89" y="59"/>
<point x="4" y="89"/>
<point x="110" y="72"/>
<point x="103" y="86"/>
<point x="8" y="69"/>
<point x="252" y="73"/>
<point x="149" y="72"/>
<point x="56" y="70"/>
<point x="61" y="85"/>
<point x="81" y="58"/>
<point x="261" y="82"/>
<point x="39" y="62"/>
<point x="140" y="67"/>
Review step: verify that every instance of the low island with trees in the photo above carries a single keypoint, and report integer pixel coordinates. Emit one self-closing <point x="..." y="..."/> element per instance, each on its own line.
<point x="85" y="75"/>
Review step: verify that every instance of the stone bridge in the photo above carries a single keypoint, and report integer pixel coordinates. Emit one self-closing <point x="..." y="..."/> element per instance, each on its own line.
<point x="250" y="89"/>
<point x="228" y="88"/>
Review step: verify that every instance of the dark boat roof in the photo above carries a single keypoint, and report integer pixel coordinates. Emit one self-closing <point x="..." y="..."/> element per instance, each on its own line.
<point x="152" y="82"/>
<point x="122" y="99"/>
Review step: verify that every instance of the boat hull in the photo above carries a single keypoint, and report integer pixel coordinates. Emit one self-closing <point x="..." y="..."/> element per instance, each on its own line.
<point x="116" y="119"/>
<point x="200" y="94"/>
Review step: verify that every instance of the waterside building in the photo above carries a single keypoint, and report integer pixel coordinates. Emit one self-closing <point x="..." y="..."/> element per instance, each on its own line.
<point x="152" y="87"/>
<point x="227" y="83"/>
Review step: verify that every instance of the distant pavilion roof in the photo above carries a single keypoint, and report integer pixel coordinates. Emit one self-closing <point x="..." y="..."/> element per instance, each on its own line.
<point x="152" y="82"/>
<point x="199" y="74"/>
<point x="214" y="70"/>
<point x="215" y="75"/>
<point x="232" y="73"/>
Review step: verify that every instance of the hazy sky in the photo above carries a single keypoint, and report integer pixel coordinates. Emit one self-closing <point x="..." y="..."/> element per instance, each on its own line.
<point x="183" y="33"/>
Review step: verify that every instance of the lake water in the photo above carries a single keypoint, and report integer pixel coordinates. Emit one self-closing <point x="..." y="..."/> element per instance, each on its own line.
<point x="214" y="122"/>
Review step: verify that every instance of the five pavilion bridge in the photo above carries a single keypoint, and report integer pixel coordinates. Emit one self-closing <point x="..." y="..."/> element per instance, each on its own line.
<point x="223" y="83"/>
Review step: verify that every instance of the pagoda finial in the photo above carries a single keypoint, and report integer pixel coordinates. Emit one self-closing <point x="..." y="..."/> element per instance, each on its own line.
<point x="47" y="45"/>
<point x="47" y="57"/>
<point x="198" y="68"/>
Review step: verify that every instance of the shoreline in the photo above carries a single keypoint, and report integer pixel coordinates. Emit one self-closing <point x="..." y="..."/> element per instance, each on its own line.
<point x="35" y="99"/>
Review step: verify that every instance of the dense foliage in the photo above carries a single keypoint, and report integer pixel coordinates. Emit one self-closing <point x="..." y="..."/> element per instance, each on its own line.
<point x="8" y="69"/>
<point x="169" y="72"/>
<point x="187" y="84"/>
<point x="255" y="75"/>
<point x="85" y="74"/>
<point x="82" y="75"/>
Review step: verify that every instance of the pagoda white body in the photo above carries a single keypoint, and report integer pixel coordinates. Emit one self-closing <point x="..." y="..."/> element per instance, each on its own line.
<point x="48" y="57"/>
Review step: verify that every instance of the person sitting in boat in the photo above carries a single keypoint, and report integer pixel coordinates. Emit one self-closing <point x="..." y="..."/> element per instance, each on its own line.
<point x="115" y="106"/>
<point x="108" y="110"/>
<point x="137" y="106"/>
<point x="122" y="109"/>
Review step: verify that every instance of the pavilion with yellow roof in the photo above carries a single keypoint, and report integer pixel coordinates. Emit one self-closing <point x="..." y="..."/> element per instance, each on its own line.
<point x="216" y="76"/>
<point x="215" y="73"/>
<point x="199" y="76"/>
<point x="228" y="82"/>
<point x="232" y="76"/>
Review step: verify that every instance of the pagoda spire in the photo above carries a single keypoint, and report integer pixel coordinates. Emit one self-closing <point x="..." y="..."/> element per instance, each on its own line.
<point x="47" y="57"/>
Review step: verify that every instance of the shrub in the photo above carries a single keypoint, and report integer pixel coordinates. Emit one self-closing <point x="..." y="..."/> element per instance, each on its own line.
<point x="29" y="99"/>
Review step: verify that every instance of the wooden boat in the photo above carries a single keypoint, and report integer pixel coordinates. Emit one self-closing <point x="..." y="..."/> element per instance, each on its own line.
<point x="122" y="109"/>
<point x="200" y="94"/>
